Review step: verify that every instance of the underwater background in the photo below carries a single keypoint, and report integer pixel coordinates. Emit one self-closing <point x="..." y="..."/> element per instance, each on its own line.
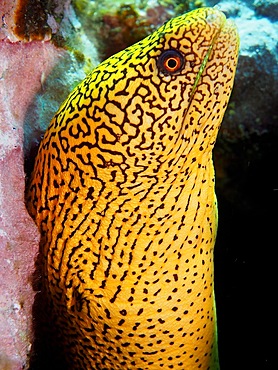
<point x="46" y="48"/>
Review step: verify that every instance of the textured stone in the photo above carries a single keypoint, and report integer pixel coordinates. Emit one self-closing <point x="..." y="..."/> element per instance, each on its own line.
<point x="35" y="77"/>
<point x="22" y="70"/>
<point x="30" y="20"/>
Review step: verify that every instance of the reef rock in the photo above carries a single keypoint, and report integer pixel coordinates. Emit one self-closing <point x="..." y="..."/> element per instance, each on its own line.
<point x="23" y="68"/>
<point x="24" y="78"/>
<point x="246" y="160"/>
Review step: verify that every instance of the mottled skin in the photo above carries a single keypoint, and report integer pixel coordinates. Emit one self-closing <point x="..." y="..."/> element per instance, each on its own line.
<point x="123" y="195"/>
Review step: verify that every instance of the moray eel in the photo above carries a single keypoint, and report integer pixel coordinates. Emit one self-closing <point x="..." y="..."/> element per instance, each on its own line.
<point x="123" y="195"/>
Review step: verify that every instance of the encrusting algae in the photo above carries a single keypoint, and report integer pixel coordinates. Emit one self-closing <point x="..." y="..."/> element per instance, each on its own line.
<point x="123" y="195"/>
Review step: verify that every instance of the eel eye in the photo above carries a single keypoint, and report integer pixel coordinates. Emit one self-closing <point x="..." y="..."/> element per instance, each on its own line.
<point x="170" y="61"/>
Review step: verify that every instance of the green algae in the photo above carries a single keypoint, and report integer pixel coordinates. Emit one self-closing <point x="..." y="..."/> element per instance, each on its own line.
<point x="115" y="25"/>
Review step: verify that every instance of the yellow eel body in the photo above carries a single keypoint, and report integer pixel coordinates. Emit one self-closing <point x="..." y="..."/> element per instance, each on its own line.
<point x="123" y="195"/>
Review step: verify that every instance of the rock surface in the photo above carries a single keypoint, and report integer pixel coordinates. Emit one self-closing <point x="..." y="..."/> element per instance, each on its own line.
<point x="20" y="82"/>
<point x="30" y="82"/>
<point x="246" y="161"/>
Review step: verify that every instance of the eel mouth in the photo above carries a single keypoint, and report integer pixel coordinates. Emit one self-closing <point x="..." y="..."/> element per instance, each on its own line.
<point x="222" y="51"/>
<point x="218" y="20"/>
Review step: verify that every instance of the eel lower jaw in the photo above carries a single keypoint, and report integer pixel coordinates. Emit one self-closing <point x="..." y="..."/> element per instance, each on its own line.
<point x="218" y="20"/>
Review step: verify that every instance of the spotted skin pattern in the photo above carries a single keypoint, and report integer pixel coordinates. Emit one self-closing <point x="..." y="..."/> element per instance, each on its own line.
<point x="123" y="195"/>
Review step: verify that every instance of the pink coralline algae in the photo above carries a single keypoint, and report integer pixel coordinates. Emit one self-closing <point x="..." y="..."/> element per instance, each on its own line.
<point x="23" y="67"/>
<point x="27" y="58"/>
